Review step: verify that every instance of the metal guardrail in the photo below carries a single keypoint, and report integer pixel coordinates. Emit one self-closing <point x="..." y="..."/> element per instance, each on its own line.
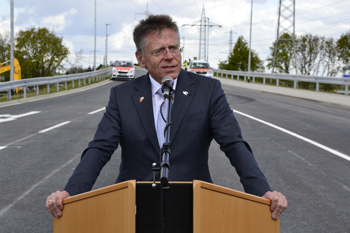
<point x="36" y="82"/>
<point x="295" y="78"/>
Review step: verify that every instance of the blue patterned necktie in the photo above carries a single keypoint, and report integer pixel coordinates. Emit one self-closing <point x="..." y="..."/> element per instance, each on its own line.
<point x="160" y="122"/>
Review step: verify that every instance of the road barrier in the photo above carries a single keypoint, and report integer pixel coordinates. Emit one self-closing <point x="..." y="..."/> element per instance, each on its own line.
<point x="295" y="78"/>
<point x="36" y="82"/>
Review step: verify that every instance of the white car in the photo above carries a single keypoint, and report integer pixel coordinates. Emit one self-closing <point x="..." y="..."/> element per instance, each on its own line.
<point x="123" y="70"/>
<point x="201" y="68"/>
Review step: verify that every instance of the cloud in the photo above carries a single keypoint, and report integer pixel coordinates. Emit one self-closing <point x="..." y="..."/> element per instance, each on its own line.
<point x="58" y="22"/>
<point x="4" y="26"/>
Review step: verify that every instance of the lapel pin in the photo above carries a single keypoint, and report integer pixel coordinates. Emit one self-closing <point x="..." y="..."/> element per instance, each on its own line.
<point x="185" y="92"/>
<point x="141" y="99"/>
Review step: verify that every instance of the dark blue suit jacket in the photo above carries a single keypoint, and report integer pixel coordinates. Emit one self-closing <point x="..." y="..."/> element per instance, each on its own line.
<point x="197" y="118"/>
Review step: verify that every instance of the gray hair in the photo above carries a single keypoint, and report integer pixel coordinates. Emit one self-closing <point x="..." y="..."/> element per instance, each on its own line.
<point x="150" y="25"/>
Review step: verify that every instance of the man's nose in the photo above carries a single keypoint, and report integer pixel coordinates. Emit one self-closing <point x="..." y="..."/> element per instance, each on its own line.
<point x="168" y="55"/>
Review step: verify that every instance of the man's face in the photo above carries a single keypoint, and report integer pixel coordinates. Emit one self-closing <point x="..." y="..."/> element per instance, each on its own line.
<point x="162" y="65"/>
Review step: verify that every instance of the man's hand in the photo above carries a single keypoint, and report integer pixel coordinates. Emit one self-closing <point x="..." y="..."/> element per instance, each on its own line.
<point x="278" y="203"/>
<point x="54" y="203"/>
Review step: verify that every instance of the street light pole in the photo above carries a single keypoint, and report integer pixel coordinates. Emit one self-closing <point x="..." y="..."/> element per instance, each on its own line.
<point x="250" y="39"/>
<point x="106" y="62"/>
<point x="12" y="64"/>
<point x="208" y="41"/>
<point x="12" y="45"/>
<point x="183" y="49"/>
<point x="95" y="41"/>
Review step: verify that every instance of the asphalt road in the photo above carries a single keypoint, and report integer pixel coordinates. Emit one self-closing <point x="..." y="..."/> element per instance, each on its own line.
<point x="297" y="143"/>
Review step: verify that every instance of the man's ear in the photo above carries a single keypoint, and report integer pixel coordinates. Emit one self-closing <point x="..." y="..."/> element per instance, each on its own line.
<point x="140" y="59"/>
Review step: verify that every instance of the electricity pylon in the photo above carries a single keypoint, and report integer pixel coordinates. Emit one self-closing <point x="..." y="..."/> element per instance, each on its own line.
<point x="230" y="43"/>
<point x="146" y="13"/>
<point x="203" y="35"/>
<point x="286" y="24"/>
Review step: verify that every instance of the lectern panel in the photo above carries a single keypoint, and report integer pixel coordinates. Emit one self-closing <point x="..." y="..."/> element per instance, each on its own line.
<point x="218" y="209"/>
<point x="111" y="209"/>
<point x="197" y="207"/>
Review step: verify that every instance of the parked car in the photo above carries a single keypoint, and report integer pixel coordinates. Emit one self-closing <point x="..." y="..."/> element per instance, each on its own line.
<point x="201" y="67"/>
<point x="123" y="70"/>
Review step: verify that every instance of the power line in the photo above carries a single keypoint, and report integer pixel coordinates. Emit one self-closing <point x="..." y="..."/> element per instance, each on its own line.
<point x="321" y="7"/>
<point x="159" y="7"/>
<point x="185" y="7"/>
<point x="216" y="11"/>
<point x="328" y="26"/>
<point x="336" y="15"/>
<point x="299" y="22"/>
<point x="136" y="5"/>
<point x="197" y="7"/>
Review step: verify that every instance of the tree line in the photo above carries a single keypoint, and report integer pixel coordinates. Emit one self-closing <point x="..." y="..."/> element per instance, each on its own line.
<point x="312" y="55"/>
<point x="40" y="53"/>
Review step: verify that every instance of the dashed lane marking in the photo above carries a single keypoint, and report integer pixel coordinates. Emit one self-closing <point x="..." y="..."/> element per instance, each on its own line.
<point x="99" y="110"/>
<point x="54" y="127"/>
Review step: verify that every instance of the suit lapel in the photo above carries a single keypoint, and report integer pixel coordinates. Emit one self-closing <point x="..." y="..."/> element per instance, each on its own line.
<point x="142" y="99"/>
<point x="184" y="95"/>
<point x="185" y="92"/>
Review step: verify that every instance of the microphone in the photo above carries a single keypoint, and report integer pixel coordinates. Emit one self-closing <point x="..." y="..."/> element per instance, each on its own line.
<point x="167" y="86"/>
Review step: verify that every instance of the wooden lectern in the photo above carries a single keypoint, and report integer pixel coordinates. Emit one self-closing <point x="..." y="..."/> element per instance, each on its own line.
<point x="197" y="207"/>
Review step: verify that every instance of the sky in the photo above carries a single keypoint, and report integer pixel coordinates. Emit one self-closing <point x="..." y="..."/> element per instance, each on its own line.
<point x="74" y="21"/>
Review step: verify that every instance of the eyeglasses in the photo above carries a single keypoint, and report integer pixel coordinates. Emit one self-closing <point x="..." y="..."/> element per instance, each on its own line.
<point x="174" y="50"/>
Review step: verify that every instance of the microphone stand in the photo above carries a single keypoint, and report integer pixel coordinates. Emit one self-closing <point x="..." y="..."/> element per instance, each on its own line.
<point x="165" y="152"/>
<point x="165" y="164"/>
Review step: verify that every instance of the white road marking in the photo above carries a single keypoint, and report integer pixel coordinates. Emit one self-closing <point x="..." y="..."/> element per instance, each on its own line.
<point x="337" y="153"/>
<point x="42" y="131"/>
<point x="3" y="210"/>
<point x="27" y="114"/>
<point x="9" y="117"/>
<point x="2" y="147"/>
<point x="99" y="110"/>
<point x="54" y="127"/>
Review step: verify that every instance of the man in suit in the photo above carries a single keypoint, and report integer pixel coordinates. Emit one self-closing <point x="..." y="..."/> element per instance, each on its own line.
<point x="200" y="114"/>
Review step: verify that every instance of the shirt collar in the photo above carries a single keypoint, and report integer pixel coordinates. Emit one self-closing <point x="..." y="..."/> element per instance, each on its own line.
<point x="156" y="85"/>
